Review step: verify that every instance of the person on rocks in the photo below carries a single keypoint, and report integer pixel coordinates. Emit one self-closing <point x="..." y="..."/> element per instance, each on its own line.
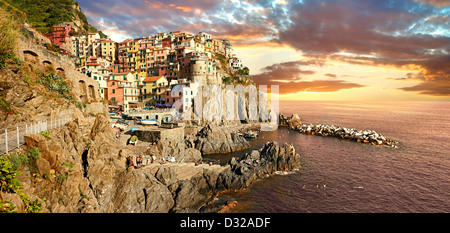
<point x="139" y="161"/>
<point x="130" y="161"/>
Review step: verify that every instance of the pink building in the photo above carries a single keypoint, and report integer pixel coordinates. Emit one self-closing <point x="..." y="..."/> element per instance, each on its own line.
<point x="61" y="33"/>
<point x="114" y="93"/>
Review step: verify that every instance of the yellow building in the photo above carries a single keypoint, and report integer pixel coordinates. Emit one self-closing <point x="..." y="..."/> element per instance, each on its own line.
<point x="153" y="89"/>
<point x="108" y="50"/>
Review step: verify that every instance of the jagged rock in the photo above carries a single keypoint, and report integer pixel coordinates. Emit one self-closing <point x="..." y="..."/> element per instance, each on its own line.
<point x="191" y="194"/>
<point x="212" y="139"/>
<point x="292" y="122"/>
<point x="257" y="164"/>
<point x="138" y="192"/>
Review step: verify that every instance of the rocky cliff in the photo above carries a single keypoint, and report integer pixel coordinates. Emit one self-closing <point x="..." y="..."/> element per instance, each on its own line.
<point x="258" y="164"/>
<point x="82" y="168"/>
<point x="213" y="139"/>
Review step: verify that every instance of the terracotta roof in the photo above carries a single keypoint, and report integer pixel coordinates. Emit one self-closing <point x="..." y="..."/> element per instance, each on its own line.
<point x="152" y="78"/>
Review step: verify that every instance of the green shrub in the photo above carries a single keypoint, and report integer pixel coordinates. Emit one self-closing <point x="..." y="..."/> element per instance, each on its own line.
<point x="26" y="79"/>
<point x="8" y="180"/>
<point x="9" y="183"/>
<point x="5" y="105"/>
<point x="7" y="207"/>
<point x="46" y="134"/>
<point x="70" y="165"/>
<point x="34" y="153"/>
<point x="226" y="80"/>
<point x="15" y="161"/>
<point x="61" y="178"/>
<point x="8" y="37"/>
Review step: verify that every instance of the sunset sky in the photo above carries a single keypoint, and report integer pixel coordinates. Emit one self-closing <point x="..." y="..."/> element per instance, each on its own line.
<point x="314" y="50"/>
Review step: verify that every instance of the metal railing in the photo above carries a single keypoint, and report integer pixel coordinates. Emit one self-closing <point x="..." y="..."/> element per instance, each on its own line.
<point x="14" y="137"/>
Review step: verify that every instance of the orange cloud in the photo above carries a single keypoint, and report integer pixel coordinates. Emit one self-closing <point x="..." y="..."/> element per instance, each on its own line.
<point x="159" y="5"/>
<point x="155" y="4"/>
<point x="184" y="8"/>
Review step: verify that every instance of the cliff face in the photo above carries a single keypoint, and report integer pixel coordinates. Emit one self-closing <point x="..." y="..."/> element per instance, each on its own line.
<point x="29" y="92"/>
<point x="213" y="139"/>
<point x="85" y="171"/>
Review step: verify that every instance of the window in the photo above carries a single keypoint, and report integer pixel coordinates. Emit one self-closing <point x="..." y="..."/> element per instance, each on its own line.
<point x="113" y="91"/>
<point x="113" y="83"/>
<point x="173" y="100"/>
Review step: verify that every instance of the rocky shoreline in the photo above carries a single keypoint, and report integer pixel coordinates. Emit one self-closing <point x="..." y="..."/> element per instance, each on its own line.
<point x="83" y="169"/>
<point x="361" y="136"/>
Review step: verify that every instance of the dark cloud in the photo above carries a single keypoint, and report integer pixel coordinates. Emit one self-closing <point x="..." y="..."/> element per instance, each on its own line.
<point x="310" y="86"/>
<point x="438" y="87"/>
<point x="287" y="71"/>
<point x="288" y="76"/>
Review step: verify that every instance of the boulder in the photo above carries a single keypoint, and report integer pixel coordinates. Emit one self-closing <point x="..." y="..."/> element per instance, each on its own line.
<point x="212" y="139"/>
<point x="257" y="164"/>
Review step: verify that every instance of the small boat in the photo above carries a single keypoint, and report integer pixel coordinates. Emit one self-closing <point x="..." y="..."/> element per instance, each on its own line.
<point x="122" y="127"/>
<point x="148" y="122"/>
<point x="115" y="117"/>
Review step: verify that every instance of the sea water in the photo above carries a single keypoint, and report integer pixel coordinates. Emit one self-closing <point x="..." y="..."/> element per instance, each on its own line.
<point x="344" y="176"/>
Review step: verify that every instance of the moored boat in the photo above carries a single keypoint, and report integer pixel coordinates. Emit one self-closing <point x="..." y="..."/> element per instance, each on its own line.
<point x="148" y="122"/>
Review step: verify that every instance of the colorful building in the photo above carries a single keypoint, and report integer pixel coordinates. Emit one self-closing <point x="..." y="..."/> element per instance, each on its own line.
<point x="123" y="90"/>
<point x="61" y="33"/>
<point x="153" y="89"/>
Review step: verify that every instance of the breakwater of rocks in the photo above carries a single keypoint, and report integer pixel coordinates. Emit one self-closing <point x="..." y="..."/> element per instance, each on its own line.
<point x="362" y="136"/>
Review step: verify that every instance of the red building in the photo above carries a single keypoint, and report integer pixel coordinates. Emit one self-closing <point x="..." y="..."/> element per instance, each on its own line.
<point x="61" y="33"/>
<point x="166" y="43"/>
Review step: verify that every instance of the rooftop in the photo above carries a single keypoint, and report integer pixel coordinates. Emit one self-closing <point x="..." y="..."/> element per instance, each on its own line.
<point x="153" y="78"/>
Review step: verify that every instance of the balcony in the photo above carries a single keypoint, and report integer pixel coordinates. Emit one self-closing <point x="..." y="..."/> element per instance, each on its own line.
<point x="128" y="85"/>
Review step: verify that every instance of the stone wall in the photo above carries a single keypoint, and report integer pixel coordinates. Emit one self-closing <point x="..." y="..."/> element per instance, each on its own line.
<point x="146" y="135"/>
<point x="84" y="88"/>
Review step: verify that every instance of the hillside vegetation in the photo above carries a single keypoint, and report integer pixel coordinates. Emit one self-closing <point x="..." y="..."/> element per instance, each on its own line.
<point x="43" y="14"/>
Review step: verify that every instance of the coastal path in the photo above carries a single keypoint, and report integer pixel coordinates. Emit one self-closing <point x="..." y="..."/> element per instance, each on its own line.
<point x="14" y="136"/>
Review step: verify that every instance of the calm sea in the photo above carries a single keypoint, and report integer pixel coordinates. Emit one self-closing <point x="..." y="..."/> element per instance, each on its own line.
<point x="344" y="176"/>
